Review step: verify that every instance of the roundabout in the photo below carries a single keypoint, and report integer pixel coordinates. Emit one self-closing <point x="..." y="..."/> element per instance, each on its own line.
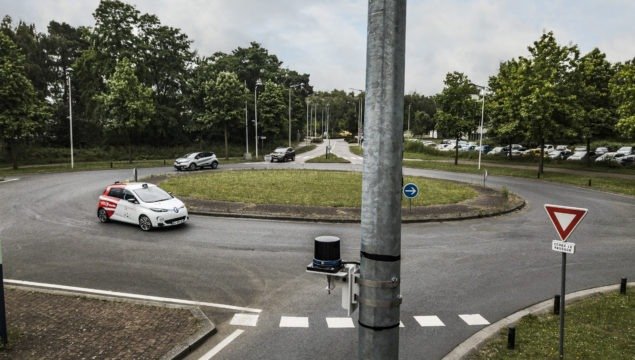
<point x="481" y="270"/>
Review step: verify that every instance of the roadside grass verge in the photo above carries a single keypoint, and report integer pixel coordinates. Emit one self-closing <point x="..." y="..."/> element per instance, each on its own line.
<point x="331" y="159"/>
<point x="96" y="165"/>
<point x="599" y="182"/>
<point x="599" y="327"/>
<point x="303" y="187"/>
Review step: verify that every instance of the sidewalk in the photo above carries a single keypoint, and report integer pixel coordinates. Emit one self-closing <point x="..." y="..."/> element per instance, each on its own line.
<point x="54" y="325"/>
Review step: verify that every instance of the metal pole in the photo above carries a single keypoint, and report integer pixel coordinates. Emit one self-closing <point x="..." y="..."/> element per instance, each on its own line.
<point x="256" y="116"/>
<point x="480" y="141"/>
<point x="3" y="315"/>
<point x="290" y="116"/>
<point x="307" y="120"/>
<point x="380" y="263"/>
<point x="246" y="125"/>
<point x="562" y="286"/>
<point x="409" y="106"/>
<point x="70" y="114"/>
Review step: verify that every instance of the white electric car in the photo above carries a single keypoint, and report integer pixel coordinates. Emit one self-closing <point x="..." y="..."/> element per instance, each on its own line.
<point x="142" y="204"/>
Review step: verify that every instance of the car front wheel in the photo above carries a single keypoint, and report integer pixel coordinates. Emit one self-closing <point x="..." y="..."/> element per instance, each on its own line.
<point x="102" y="215"/>
<point x="214" y="165"/>
<point x="192" y="167"/>
<point x="144" y="223"/>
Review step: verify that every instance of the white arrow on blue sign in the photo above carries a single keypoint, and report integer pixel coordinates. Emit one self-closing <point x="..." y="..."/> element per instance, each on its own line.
<point x="410" y="191"/>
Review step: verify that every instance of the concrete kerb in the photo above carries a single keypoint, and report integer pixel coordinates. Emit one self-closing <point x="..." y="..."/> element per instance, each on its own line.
<point x="208" y="328"/>
<point x="477" y="340"/>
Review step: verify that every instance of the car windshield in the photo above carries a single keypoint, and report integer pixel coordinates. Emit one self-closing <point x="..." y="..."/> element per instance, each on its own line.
<point x="152" y="194"/>
<point x="280" y="150"/>
<point x="188" y="155"/>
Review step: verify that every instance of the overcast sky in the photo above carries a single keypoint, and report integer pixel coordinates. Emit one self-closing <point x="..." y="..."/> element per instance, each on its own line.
<point x="327" y="38"/>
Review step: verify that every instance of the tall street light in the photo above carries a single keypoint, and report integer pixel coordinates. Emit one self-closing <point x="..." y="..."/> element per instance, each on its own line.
<point x="359" y="119"/>
<point x="247" y="155"/>
<point x="258" y="83"/>
<point x="70" y="112"/>
<point x="292" y="87"/>
<point x="307" y="118"/>
<point x="480" y="141"/>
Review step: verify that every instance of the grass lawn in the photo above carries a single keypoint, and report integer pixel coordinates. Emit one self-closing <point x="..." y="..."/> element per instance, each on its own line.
<point x="96" y="165"/>
<point x="302" y="187"/>
<point x="598" y="181"/>
<point x="331" y="159"/>
<point x="600" y="327"/>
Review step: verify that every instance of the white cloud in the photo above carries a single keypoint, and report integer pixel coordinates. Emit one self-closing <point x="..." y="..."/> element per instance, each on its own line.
<point x="327" y="38"/>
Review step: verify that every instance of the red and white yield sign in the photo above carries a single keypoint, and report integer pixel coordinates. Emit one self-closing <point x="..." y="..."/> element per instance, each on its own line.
<point x="565" y="218"/>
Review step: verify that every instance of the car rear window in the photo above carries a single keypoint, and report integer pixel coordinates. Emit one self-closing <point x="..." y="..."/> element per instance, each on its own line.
<point x="116" y="193"/>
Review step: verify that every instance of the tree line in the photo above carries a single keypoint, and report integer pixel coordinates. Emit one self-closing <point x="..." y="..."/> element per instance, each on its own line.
<point x="554" y="95"/>
<point x="135" y="81"/>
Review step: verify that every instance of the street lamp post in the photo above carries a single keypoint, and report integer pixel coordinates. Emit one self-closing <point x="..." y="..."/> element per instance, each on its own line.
<point x="258" y="83"/>
<point x="480" y="141"/>
<point x="307" y="120"/>
<point x="360" y="124"/>
<point x="409" y="106"/>
<point x="247" y="155"/>
<point x="70" y="112"/>
<point x="292" y="87"/>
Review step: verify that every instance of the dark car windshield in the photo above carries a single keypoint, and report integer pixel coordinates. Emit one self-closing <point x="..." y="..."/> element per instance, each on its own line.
<point x="152" y="194"/>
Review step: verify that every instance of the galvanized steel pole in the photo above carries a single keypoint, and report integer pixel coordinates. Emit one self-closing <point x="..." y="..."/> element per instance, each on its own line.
<point x="380" y="267"/>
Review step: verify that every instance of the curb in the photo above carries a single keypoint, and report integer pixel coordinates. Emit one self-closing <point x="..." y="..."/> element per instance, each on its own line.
<point x="453" y="217"/>
<point x="177" y="352"/>
<point x="477" y="340"/>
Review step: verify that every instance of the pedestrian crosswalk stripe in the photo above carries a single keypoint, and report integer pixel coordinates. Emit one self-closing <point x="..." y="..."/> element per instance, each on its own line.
<point x="339" y="322"/>
<point x="474" y="319"/>
<point x="430" y="320"/>
<point x="244" y="320"/>
<point x="294" y="322"/>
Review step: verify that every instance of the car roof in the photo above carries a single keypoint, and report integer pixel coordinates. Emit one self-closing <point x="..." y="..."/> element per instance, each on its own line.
<point x="131" y="185"/>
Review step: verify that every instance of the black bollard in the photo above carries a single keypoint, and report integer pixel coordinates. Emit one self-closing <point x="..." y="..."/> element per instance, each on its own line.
<point x="623" y="286"/>
<point x="111" y="164"/>
<point x="511" y="338"/>
<point x="556" y="305"/>
<point x="589" y="182"/>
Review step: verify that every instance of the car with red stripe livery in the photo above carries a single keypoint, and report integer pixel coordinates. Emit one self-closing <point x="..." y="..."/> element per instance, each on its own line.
<point x="143" y="204"/>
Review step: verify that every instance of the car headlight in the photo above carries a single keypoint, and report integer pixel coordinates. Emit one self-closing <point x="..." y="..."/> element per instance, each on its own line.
<point x="159" y="210"/>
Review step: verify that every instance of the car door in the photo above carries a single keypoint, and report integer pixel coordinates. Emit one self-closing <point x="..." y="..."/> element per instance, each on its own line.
<point x="130" y="206"/>
<point x="206" y="159"/>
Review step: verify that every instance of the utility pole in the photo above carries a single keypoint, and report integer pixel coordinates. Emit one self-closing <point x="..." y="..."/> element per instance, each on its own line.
<point x="380" y="263"/>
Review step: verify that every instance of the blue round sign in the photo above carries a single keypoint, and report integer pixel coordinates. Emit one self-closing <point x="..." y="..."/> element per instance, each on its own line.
<point x="410" y="191"/>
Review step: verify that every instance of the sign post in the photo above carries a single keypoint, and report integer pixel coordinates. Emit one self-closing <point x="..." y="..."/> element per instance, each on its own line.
<point x="410" y="191"/>
<point x="564" y="219"/>
<point x="3" y="316"/>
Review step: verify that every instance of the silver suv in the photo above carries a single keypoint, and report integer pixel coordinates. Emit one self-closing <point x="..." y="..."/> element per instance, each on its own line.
<point x="196" y="160"/>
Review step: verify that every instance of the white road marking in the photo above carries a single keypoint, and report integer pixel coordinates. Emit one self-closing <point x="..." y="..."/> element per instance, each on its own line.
<point x="244" y="320"/>
<point x="294" y="322"/>
<point x="426" y="321"/>
<point x="210" y="354"/>
<point x="9" y="180"/>
<point x="132" y="296"/>
<point x="474" y="319"/>
<point x="401" y="325"/>
<point x="340" y="323"/>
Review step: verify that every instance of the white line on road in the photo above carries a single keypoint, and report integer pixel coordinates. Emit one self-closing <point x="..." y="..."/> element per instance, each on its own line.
<point x="131" y="296"/>
<point x="210" y="354"/>
<point x="474" y="319"/>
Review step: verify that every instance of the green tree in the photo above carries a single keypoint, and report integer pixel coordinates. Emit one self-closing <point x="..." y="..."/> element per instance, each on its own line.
<point x="549" y="105"/>
<point x="591" y="87"/>
<point x="21" y="112"/>
<point x="224" y="103"/>
<point x="126" y="105"/>
<point x="272" y="109"/>
<point x="622" y="87"/>
<point x="503" y="103"/>
<point x="458" y="112"/>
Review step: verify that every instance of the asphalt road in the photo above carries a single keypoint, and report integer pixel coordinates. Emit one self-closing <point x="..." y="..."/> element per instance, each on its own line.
<point x="491" y="267"/>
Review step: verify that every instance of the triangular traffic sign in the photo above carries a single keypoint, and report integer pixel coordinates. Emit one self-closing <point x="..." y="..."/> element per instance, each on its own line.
<point x="565" y="218"/>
